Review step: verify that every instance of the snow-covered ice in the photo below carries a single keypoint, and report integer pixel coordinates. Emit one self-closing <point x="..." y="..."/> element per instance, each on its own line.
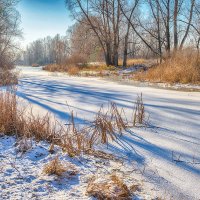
<point x="166" y="152"/>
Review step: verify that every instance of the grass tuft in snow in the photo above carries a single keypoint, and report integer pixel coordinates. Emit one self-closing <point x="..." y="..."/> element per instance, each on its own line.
<point x="56" y="167"/>
<point x="109" y="187"/>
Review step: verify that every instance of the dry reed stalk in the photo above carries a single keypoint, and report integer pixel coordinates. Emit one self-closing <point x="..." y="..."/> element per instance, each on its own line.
<point x="139" y="111"/>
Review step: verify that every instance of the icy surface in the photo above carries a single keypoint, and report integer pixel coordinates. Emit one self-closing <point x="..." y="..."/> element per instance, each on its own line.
<point x="167" y="151"/>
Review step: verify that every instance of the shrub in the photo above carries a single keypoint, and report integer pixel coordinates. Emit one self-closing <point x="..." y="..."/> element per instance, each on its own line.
<point x="8" y="77"/>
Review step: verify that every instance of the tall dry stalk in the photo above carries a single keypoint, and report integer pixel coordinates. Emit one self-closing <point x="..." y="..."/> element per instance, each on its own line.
<point x="139" y="111"/>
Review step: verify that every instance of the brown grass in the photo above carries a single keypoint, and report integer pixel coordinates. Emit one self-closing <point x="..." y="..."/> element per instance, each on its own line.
<point x="139" y="111"/>
<point x="108" y="124"/>
<point x="56" y="167"/>
<point x="73" y="70"/>
<point x="55" y="68"/>
<point x="73" y="67"/>
<point x="15" y="120"/>
<point x="110" y="188"/>
<point x="132" y="61"/>
<point x="9" y="119"/>
<point x="184" y="68"/>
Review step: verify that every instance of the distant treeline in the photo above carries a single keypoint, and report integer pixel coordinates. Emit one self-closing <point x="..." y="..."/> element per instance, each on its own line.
<point x="110" y="30"/>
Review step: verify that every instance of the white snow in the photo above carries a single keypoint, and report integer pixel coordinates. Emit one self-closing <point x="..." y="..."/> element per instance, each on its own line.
<point x="173" y="132"/>
<point x="22" y="175"/>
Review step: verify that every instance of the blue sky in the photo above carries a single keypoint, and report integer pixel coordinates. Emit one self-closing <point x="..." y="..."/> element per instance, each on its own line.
<point x="41" y="18"/>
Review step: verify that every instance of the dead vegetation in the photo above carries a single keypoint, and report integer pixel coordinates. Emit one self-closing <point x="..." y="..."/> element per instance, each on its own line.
<point x="8" y="77"/>
<point x="58" y="168"/>
<point x="183" y="67"/>
<point x="139" y="112"/>
<point x="132" y="61"/>
<point x="73" y="67"/>
<point x="109" y="124"/>
<point x="110" y="187"/>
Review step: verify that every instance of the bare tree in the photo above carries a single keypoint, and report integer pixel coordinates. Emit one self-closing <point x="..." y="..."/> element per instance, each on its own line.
<point x="9" y="30"/>
<point x="104" y="18"/>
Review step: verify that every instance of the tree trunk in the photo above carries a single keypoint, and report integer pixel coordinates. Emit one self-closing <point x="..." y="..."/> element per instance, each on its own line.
<point x="175" y="25"/>
<point x="168" y="46"/>
<point x="126" y="49"/>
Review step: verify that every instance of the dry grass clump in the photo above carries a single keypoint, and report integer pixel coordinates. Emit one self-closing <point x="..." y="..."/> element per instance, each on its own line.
<point x="8" y="113"/>
<point x="109" y="187"/>
<point x="56" y="167"/>
<point x="8" y="77"/>
<point x="184" y="67"/>
<point x="42" y="127"/>
<point x="15" y="120"/>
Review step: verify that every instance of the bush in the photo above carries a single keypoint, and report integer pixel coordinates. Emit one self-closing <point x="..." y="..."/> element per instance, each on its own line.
<point x="8" y="77"/>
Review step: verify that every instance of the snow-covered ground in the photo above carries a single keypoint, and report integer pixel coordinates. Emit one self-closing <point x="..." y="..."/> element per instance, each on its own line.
<point x="166" y="153"/>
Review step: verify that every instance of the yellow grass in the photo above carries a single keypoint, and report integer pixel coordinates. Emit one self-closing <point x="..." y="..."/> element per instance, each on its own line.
<point x="184" y="67"/>
<point x="132" y="61"/>
<point x="56" y="167"/>
<point x="108" y="124"/>
<point x="109" y="187"/>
